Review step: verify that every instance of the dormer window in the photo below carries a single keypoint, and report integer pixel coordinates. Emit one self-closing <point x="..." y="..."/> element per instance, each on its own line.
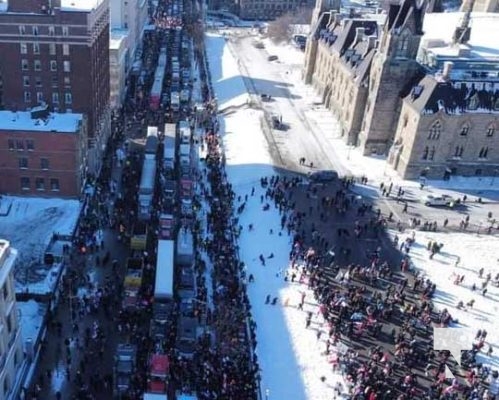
<point x="435" y="131"/>
<point x="473" y="102"/>
<point x="464" y="130"/>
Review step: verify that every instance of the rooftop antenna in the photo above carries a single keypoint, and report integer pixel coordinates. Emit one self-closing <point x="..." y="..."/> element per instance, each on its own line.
<point x="463" y="31"/>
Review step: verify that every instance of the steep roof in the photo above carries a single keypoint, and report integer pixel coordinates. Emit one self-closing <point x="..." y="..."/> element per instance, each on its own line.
<point x="400" y="14"/>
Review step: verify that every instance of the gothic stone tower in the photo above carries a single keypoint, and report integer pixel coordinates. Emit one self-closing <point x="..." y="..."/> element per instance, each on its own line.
<point x="321" y="6"/>
<point x="394" y="67"/>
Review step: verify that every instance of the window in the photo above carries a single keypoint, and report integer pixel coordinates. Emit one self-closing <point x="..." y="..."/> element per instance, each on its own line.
<point x="5" y="291"/>
<point x="25" y="183"/>
<point x="425" y="153"/>
<point x="26" y="80"/>
<point x="35" y="30"/>
<point x="22" y="29"/>
<point x="55" y="98"/>
<point x="24" y="65"/>
<point x="40" y="184"/>
<point x="484" y="152"/>
<point x="19" y="145"/>
<point x="52" y="49"/>
<point x="23" y="48"/>
<point x="490" y="131"/>
<point x="23" y="163"/>
<point x="51" y="31"/>
<point x="38" y="81"/>
<point x="435" y="130"/>
<point x="54" y="184"/>
<point x="44" y="163"/>
<point x="39" y="97"/>
<point x="30" y="144"/>
<point x="53" y="65"/>
<point x="67" y="81"/>
<point x="27" y="97"/>
<point x="68" y="99"/>
<point x="65" y="49"/>
<point x="458" y="152"/>
<point x="38" y="65"/>
<point x="11" y="144"/>
<point x="431" y="156"/>
<point x="36" y="48"/>
<point x="55" y="81"/>
<point x="65" y="31"/>
<point x="464" y="130"/>
<point x="67" y="66"/>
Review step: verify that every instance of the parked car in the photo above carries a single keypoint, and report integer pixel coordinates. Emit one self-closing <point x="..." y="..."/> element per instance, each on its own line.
<point x="323" y="176"/>
<point x="272" y="58"/>
<point x="438" y="200"/>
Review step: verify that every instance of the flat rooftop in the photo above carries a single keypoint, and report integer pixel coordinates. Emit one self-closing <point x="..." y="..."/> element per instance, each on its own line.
<point x="483" y="43"/>
<point x="56" y="122"/>
<point x="80" y="5"/>
<point x="116" y="38"/>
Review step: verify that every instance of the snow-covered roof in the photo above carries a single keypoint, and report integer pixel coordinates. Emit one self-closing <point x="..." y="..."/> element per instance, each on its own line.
<point x="484" y="33"/>
<point x="56" y="122"/>
<point x="80" y="5"/>
<point x="117" y="37"/>
<point x="31" y="315"/>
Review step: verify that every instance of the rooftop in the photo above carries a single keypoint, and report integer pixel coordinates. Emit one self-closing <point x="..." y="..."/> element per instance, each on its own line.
<point x="116" y="38"/>
<point x="80" y="5"/>
<point x="56" y="122"/>
<point x="439" y="30"/>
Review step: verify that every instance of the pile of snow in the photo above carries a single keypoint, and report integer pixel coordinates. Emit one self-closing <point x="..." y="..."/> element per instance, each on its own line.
<point x="225" y="74"/>
<point x="30" y="225"/>
<point x="287" y="53"/>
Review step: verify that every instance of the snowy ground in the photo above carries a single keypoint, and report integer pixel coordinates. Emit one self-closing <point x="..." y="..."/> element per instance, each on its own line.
<point x="474" y="252"/>
<point x="29" y="223"/>
<point x="291" y="357"/>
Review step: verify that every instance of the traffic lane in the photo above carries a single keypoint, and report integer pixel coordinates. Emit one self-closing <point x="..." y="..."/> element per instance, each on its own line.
<point x="293" y="141"/>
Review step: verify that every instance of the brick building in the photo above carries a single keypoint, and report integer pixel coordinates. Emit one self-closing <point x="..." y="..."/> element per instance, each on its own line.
<point x="57" y="52"/>
<point x="42" y="154"/>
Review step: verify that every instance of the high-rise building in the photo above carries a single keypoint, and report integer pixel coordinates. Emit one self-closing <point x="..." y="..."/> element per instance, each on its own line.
<point x="11" y="350"/>
<point x="57" y="52"/>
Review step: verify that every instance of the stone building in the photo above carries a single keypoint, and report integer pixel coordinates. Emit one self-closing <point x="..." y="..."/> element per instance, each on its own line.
<point x="420" y="87"/>
<point x="268" y="9"/>
<point x="482" y="5"/>
<point x="57" y="52"/>
<point x="449" y="122"/>
<point x="11" y="346"/>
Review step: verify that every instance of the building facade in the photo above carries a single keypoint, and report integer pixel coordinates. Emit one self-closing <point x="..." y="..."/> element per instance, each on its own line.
<point x="269" y="9"/>
<point x="422" y="88"/>
<point x="118" y="54"/>
<point x="42" y="155"/>
<point x="57" y="52"/>
<point x="11" y="347"/>
<point x="132" y="16"/>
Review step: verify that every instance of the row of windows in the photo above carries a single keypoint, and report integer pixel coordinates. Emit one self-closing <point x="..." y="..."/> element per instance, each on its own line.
<point x="20" y="145"/>
<point x="429" y="153"/>
<point x="37" y="65"/>
<point x="35" y="31"/>
<point x="36" y="48"/>
<point x="40" y="184"/>
<point x="436" y="130"/>
<point x="24" y="164"/>
<point x="39" y="82"/>
<point x="68" y="98"/>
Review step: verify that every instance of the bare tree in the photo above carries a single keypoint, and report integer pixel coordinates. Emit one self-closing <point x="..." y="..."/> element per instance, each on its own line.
<point x="281" y="29"/>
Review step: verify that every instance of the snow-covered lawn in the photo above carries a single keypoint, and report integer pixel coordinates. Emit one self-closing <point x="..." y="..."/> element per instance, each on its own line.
<point x="29" y="224"/>
<point x="472" y="252"/>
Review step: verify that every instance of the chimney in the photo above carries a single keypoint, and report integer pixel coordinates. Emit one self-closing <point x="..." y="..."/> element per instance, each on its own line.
<point x="337" y="19"/>
<point x="447" y="70"/>
<point x="359" y="35"/>
<point x="332" y="17"/>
